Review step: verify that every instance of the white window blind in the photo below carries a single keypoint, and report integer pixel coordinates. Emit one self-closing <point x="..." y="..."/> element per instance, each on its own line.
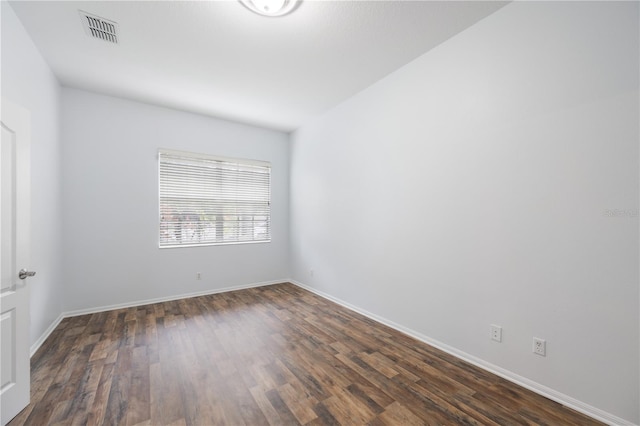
<point x="206" y="200"/>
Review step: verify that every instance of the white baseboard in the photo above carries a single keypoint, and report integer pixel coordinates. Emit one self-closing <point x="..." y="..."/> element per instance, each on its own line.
<point x="95" y="310"/>
<point x="36" y="345"/>
<point x="538" y="388"/>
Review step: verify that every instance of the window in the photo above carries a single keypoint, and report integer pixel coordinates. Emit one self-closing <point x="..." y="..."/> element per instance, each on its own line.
<point x="206" y="200"/>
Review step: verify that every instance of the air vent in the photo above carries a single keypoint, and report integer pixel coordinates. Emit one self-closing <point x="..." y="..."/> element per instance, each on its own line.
<point x="99" y="28"/>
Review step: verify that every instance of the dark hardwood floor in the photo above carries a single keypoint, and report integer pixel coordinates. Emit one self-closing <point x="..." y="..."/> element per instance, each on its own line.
<point x="271" y="355"/>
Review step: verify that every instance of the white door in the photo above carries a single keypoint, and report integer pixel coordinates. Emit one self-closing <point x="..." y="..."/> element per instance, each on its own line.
<point x="14" y="256"/>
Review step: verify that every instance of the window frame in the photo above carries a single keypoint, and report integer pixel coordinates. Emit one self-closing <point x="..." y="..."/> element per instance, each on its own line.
<point x="195" y="156"/>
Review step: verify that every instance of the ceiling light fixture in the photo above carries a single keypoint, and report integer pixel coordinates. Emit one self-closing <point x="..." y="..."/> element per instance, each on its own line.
<point x="270" y="7"/>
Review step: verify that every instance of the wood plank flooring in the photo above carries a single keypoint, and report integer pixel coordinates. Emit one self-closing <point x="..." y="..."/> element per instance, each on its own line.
<point x="274" y="355"/>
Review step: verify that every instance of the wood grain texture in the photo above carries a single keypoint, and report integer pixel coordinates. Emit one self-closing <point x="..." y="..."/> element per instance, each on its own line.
<point x="275" y="355"/>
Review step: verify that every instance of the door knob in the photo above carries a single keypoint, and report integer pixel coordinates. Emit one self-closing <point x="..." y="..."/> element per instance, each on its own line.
<point x="23" y="274"/>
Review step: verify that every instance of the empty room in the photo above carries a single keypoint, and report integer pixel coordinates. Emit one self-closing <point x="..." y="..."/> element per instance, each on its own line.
<point x="309" y="212"/>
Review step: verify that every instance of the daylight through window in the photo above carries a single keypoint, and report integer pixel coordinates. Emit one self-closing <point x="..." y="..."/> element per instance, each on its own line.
<point x="206" y="200"/>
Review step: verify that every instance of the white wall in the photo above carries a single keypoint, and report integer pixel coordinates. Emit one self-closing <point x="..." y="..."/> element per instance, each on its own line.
<point x="110" y="199"/>
<point x="471" y="186"/>
<point x="28" y="81"/>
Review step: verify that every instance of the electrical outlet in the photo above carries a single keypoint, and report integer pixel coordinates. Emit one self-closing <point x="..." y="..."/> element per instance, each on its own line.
<point x="311" y="271"/>
<point x="198" y="276"/>
<point x="539" y="346"/>
<point x="496" y="333"/>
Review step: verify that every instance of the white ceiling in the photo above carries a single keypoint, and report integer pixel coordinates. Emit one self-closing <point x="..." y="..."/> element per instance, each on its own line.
<point x="217" y="58"/>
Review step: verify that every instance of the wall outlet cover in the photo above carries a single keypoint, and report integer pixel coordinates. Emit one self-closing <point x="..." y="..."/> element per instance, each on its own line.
<point x="496" y="333"/>
<point x="539" y="346"/>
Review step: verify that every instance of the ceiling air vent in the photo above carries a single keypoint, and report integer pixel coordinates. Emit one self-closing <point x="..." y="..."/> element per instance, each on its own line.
<point x="99" y="28"/>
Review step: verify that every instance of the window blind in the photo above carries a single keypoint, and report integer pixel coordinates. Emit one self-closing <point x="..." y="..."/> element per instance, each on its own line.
<point x="207" y="200"/>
